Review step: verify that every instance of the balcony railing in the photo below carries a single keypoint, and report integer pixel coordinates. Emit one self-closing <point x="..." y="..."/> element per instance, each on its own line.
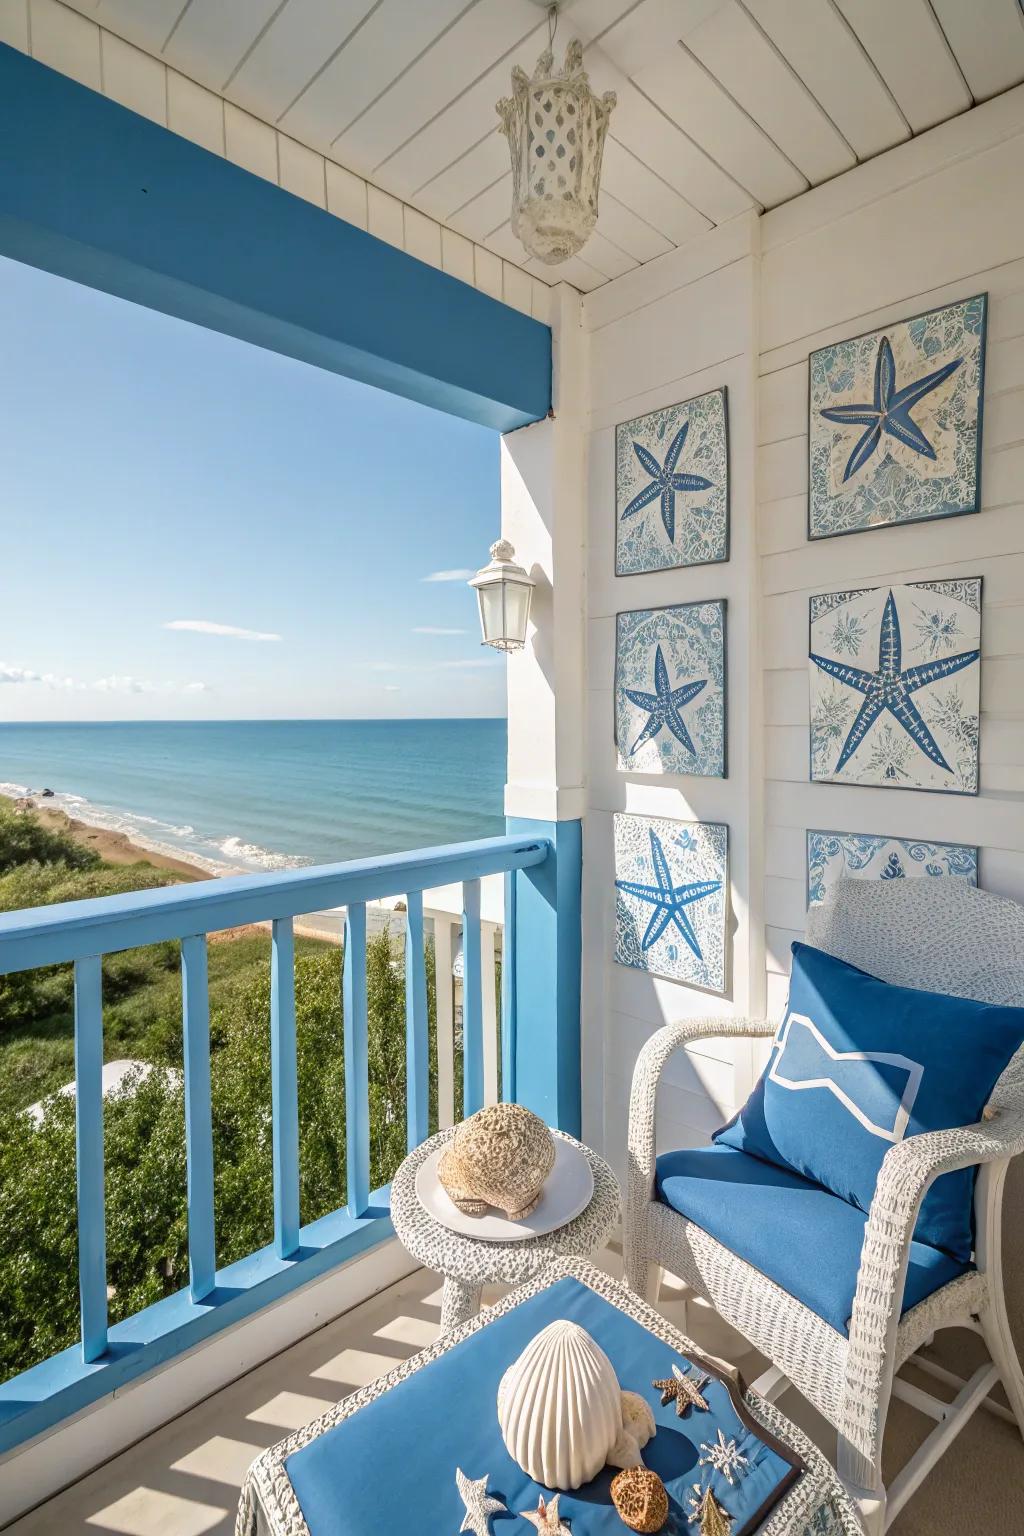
<point x="82" y="932"/>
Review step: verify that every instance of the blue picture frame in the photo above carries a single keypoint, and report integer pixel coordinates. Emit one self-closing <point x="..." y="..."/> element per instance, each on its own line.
<point x="672" y="486"/>
<point x="833" y="856"/>
<point x="671" y="702"/>
<point x="672" y="899"/>
<point x="895" y="686"/>
<point x="895" y="420"/>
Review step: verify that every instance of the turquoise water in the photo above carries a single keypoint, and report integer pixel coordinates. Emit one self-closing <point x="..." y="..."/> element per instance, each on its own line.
<point x="268" y="794"/>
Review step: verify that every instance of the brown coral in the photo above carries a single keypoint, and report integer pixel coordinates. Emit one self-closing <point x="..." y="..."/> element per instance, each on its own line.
<point x="498" y="1157"/>
<point x="640" y="1499"/>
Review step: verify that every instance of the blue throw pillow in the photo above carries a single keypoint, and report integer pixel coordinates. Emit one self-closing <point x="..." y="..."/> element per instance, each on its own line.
<point x="858" y="1065"/>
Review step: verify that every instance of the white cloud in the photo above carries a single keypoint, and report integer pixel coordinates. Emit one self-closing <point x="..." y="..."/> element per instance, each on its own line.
<point x="115" y="683"/>
<point x="478" y="661"/>
<point x="392" y="688"/>
<point x="208" y="627"/>
<point x="449" y="576"/>
<point x="428" y="629"/>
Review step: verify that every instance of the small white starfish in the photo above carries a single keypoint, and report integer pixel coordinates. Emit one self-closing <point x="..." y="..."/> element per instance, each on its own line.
<point x="725" y="1458"/>
<point x="545" y="1517"/>
<point x="479" y="1504"/>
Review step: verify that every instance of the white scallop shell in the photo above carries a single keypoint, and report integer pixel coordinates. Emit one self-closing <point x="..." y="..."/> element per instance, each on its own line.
<point x="559" y="1407"/>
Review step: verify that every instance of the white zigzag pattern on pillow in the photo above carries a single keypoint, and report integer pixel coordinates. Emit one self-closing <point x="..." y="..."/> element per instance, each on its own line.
<point x="913" y="1069"/>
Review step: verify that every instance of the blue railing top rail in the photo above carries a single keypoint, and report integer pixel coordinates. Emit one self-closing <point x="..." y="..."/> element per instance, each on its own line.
<point x="75" y="930"/>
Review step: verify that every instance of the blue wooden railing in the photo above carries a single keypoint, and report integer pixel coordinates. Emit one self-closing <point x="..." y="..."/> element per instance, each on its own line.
<point x="82" y="932"/>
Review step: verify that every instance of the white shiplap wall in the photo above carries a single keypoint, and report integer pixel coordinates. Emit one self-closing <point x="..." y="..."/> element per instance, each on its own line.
<point x="683" y="325"/>
<point x="75" y="45"/>
<point x="935" y="219"/>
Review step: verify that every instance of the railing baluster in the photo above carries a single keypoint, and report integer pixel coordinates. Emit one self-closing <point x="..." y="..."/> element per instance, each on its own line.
<point x="195" y="1009"/>
<point x="417" y="1043"/>
<point x="284" y="1079"/>
<point x="489" y="1013"/>
<point x="445" y="1023"/>
<point x="357" y="1072"/>
<point x="92" y="1233"/>
<point x="472" y="1005"/>
<point x="508" y="994"/>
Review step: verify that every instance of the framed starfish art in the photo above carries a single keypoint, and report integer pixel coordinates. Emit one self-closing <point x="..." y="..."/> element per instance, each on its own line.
<point x="833" y="856"/>
<point x="895" y="677"/>
<point x="672" y="487"/>
<point x="670" y="689"/>
<point x="895" y="422"/>
<point x="671" y="898"/>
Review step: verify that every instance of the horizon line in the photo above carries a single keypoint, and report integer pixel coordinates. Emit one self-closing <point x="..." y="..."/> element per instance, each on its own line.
<point x="271" y="720"/>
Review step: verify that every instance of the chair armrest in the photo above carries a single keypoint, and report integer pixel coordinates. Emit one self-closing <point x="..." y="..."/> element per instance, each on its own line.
<point x="908" y="1169"/>
<point x="651" y="1062"/>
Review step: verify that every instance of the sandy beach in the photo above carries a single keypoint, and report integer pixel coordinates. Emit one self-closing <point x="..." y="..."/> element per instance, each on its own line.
<point x="114" y="847"/>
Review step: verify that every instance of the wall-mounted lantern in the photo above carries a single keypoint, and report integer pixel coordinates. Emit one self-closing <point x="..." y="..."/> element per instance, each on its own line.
<point x="503" y="590"/>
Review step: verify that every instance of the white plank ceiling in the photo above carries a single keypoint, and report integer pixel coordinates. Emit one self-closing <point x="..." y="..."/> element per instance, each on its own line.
<point x="723" y="105"/>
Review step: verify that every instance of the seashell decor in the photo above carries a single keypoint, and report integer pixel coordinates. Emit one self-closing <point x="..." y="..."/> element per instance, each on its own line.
<point x="638" y="1425"/>
<point x="498" y="1157"/>
<point x="559" y="1407"/>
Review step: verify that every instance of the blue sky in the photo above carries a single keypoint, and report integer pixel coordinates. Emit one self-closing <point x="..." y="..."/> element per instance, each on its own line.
<point x="162" y="485"/>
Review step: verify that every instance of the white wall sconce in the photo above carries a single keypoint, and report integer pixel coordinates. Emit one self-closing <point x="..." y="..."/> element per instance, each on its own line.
<point x="503" y="591"/>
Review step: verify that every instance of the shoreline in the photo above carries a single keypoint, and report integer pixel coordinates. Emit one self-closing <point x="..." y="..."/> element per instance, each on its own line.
<point x="111" y="846"/>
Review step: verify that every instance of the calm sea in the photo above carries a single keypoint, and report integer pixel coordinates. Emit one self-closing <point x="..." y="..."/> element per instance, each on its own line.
<point x="268" y="794"/>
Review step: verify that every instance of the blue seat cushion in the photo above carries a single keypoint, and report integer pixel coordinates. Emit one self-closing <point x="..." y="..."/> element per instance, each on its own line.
<point x="801" y="1236"/>
<point x="857" y="1065"/>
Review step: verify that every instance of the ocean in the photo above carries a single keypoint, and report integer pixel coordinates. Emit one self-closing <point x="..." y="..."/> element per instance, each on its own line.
<point x="268" y="794"/>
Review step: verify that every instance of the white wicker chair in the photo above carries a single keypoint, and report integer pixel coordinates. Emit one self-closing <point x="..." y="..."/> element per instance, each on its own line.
<point x="965" y="942"/>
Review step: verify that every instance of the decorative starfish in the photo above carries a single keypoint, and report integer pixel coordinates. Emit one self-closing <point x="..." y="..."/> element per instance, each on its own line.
<point x="668" y="900"/>
<point x="545" y="1517"/>
<point x="703" y="1506"/>
<point x="665" y="482"/>
<point x="685" y="1391"/>
<point x="890" y="688"/>
<point x="889" y="411"/>
<point x="724" y="1456"/>
<point x="479" y="1505"/>
<point x="664" y="706"/>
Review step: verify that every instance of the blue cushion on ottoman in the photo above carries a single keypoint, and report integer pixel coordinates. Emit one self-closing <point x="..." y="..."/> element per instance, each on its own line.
<point x="801" y="1236"/>
<point x="857" y="1065"/>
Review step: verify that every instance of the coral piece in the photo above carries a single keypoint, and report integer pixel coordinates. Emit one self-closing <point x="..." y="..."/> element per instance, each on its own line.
<point x="638" y="1426"/>
<point x="559" y="1407"/>
<point x="498" y="1157"/>
<point x="685" y="1391"/>
<point x="480" y="1506"/>
<point x="546" y="1518"/>
<point x="640" y="1499"/>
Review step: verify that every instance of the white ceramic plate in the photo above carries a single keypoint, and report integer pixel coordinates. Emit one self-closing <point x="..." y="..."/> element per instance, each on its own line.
<point x="568" y="1190"/>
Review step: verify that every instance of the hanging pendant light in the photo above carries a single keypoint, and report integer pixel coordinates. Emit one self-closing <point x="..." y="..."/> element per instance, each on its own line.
<point x="556" y="128"/>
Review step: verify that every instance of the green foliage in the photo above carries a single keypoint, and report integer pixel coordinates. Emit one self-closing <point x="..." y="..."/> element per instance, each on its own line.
<point x="24" y="840"/>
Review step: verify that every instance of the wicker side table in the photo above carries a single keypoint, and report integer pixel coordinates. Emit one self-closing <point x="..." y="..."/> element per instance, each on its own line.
<point x="468" y="1263"/>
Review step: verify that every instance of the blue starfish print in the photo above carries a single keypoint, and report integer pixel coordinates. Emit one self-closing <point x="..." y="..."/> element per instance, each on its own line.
<point x="665" y="482"/>
<point x="664" y="706"/>
<point x="668" y="900"/>
<point x="890" y="688"/>
<point x="889" y="411"/>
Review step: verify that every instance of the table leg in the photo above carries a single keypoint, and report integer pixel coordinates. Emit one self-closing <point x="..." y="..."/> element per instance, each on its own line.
<point x="460" y="1301"/>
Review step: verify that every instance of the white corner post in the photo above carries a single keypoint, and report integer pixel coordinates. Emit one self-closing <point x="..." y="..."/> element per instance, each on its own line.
<point x="543" y="514"/>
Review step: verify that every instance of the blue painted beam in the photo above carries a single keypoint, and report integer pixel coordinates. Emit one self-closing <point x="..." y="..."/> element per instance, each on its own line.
<point x="417" y="1041"/>
<point x="195" y="998"/>
<point x="74" y="930"/>
<point x="547" y="975"/>
<point x="97" y="193"/>
<point x="508" y="995"/>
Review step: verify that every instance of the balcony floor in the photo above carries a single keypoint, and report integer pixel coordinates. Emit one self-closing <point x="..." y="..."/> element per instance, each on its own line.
<point x="183" y="1480"/>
